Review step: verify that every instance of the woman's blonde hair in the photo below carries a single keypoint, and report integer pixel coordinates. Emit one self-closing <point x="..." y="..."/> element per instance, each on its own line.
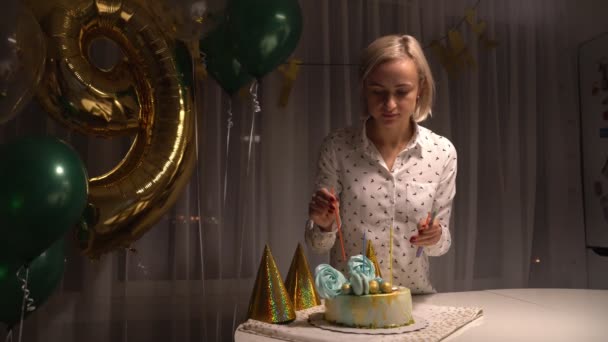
<point x="393" y="47"/>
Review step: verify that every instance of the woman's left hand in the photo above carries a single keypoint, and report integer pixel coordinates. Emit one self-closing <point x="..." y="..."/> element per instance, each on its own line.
<point x="428" y="234"/>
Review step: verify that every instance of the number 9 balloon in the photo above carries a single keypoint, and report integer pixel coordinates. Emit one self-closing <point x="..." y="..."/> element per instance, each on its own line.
<point x="145" y="96"/>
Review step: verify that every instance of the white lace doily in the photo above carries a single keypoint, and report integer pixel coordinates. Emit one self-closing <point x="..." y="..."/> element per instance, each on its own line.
<point x="442" y="321"/>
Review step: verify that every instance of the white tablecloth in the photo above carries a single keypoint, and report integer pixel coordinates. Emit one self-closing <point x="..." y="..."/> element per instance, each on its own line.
<point x="510" y="315"/>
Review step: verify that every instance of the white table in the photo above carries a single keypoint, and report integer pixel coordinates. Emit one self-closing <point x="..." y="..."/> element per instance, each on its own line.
<point x="520" y="315"/>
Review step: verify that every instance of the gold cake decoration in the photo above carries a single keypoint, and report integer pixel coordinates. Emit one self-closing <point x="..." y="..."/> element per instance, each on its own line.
<point x="371" y="255"/>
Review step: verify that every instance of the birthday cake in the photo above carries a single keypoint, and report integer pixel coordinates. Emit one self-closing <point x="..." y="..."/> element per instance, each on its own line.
<point x="364" y="300"/>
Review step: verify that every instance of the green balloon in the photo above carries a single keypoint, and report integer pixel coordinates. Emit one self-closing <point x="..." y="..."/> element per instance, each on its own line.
<point x="264" y="32"/>
<point x="45" y="273"/>
<point x="43" y="193"/>
<point x="221" y="62"/>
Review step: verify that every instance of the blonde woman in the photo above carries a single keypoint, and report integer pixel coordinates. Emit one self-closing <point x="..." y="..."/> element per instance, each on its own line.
<point x="389" y="171"/>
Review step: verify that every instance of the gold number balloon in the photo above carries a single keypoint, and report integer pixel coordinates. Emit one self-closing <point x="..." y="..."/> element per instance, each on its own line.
<point x="145" y="96"/>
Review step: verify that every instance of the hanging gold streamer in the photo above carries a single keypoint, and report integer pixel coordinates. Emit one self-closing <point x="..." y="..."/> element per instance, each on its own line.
<point x="244" y="92"/>
<point x="458" y="56"/>
<point x="445" y="56"/>
<point x="290" y="73"/>
<point x="459" y="52"/>
<point x="300" y="283"/>
<point x="479" y="27"/>
<point x="269" y="300"/>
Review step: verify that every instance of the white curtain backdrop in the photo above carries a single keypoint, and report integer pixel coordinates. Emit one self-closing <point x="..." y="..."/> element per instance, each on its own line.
<point x="518" y="210"/>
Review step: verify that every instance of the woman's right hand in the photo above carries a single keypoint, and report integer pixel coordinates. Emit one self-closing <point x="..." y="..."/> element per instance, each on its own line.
<point x="322" y="208"/>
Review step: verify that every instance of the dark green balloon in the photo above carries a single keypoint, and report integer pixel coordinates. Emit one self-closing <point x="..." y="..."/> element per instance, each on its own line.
<point x="264" y="32"/>
<point x="45" y="273"/>
<point x="43" y="193"/>
<point x="221" y="62"/>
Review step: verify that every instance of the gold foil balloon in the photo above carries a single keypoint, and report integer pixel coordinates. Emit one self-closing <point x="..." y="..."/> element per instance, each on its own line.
<point x="300" y="283"/>
<point x="269" y="300"/>
<point x="371" y="255"/>
<point x="22" y="57"/>
<point x="145" y="96"/>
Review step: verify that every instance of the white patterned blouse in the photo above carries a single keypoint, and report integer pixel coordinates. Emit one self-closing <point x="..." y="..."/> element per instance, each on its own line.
<point x="372" y="198"/>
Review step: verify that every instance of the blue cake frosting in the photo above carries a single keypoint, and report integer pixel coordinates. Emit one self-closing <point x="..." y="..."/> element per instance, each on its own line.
<point x="328" y="281"/>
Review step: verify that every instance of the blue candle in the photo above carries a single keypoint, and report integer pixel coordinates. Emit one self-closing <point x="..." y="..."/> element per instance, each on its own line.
<point x="364" y="242"/>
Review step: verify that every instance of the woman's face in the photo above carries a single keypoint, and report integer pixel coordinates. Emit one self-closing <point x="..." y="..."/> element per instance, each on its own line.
<point x="391" y="91"/>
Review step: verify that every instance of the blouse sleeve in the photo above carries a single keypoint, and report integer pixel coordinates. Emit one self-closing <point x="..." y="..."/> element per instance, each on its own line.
<point x="446" y="190"/>
<point x="327" y="177"/>
<point x="320" y="241"/>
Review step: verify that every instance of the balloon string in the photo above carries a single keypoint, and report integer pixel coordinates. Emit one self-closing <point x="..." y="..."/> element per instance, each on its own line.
<point x="198" y="177"/>
<point x="9" y="336"/>
<point x="203" y="57"/>
<point x="196" y="108"/>
<point x="253" y="90"/>
<point x="229" y="125"/>
<point x="27" y="303"/>
<point x="198" y="187"/>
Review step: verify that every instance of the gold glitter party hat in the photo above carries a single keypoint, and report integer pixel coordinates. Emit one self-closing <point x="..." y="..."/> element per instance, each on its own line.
<point x="269" y="300"/>
<point x="371" y="255"/>
<point x="300" y="284"/>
